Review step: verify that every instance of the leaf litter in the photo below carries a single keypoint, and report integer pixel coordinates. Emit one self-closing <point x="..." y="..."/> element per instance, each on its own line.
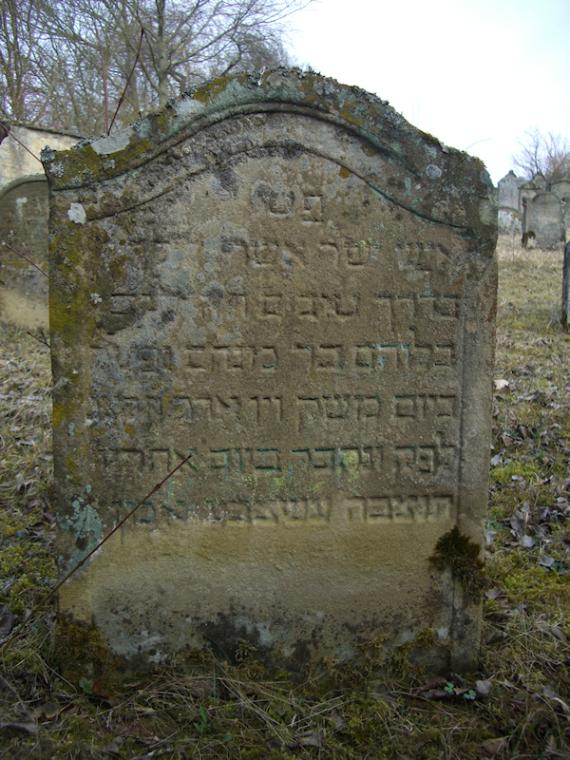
<point x="514" y="706"/>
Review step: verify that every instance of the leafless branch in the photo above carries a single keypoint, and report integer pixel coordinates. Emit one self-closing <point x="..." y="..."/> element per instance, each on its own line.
<point x="132" y="71"/>
<point x="547" y="154"/>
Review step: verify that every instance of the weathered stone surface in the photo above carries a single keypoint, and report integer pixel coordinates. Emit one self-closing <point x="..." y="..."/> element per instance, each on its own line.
<point x="509" y="221"/>
<point x="562" y="189"/>
<point x="285" y="278"/>
<point x="508" y="191"/>
<point x="23" y="244"/>
<point x="537" y="209"/>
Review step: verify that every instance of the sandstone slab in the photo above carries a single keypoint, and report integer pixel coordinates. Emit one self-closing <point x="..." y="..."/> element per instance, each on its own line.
<point x="282" y="277"/>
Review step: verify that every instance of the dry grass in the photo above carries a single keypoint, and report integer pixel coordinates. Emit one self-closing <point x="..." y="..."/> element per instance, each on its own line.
<point x="516" y="706"/>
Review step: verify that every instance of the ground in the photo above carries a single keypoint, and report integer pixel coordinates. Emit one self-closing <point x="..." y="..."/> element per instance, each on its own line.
<point x="516" y="706"/>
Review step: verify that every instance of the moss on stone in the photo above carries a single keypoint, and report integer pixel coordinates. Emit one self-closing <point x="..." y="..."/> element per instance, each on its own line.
<point x="83" y="165"/>
<point x="84" y="658"/>
<point x="212" y="88"/>
<point x="461" y="556"/>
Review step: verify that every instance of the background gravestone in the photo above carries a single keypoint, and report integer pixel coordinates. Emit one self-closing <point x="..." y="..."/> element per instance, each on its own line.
<point x="283" y="277"/>
<point x="544" y="217"/>
<point x="20" y="150"/>
<point x="565" y="317"/>
<point x="24" y="226"/>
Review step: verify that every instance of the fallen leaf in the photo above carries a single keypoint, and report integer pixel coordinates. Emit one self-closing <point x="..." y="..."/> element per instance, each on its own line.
<point x="48" y="711"/>
<point x="492" y="747"/>
<point x="337" y="720"/>
<point x="6" y="621"/>
<point x="495" y="637"/>
<point x="19" y="728"/>
<point x="483" y="688"/>
<point x="311" y="739"/>
<point x="551" y="750"/>
<point x="546" y="561"/>
<point x="114" y="748"/>
<point x="549" y="693"/>
<point x="201" y="688"/>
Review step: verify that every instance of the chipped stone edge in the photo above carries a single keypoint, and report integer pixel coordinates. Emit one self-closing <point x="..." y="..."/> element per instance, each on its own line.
<point x="365" y="114"/>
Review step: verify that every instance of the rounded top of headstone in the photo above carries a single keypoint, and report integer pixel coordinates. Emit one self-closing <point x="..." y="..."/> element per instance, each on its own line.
<point x="509" y="177"/>
<point x="431" y="169"/>
<point x="27" y="179"/>
<point x="546" y="197"/>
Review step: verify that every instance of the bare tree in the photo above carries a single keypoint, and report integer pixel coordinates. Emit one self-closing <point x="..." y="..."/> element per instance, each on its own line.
<point x="546" y="154"/>
<point x="20" y="85"/>
<point x="66" y="62"/>
<point x="187" y="42"/>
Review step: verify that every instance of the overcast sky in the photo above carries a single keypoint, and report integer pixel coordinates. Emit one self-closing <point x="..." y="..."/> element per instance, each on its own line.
<point x="475" y="73"/>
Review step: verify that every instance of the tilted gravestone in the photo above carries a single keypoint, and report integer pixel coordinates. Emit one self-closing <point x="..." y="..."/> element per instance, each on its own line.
<point x="24" y="252"/>
<point x="565" y="316"/>
<point x="284" y="278"/>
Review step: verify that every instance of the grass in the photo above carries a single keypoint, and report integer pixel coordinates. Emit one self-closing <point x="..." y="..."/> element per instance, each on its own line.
<point x="515" y="706"/>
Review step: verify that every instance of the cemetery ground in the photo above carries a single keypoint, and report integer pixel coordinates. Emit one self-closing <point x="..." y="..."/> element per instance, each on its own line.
<point x="55" y="704"/>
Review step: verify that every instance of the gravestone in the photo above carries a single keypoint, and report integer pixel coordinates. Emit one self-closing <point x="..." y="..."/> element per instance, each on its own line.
<point x="544" y="217"/>
<point x="562" y="189"/>
<point x="508" y="191"/>
<point x="21" y="147"/>
<point x="23" y="252"/>
<point x="282" y="277"/>
<point x="565" y="317"/>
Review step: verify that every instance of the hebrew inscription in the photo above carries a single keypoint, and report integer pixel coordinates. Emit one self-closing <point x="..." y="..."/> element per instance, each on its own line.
<point x="294" y="349"/>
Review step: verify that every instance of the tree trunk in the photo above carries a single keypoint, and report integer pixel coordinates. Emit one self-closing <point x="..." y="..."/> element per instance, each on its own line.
<point x="105" y="79"/>
<point x="162" y="57"/>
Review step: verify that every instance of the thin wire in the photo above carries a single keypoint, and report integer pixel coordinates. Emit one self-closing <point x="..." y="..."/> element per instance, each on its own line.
<point x="153" y="490"/>
<point x="9" y="133"/>
<point x="26" y="258"/>
<point x="132" y="71"/>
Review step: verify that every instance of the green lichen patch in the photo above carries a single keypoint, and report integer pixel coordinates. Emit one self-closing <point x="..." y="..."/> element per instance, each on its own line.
<point x="212" y="88"/>
<point x="82" y="165"/>
<point x="462" y="557"/>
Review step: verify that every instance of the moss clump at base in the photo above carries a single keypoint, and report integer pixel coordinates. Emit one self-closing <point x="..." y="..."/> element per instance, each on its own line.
<point x="84" y="658"/>
<point x="461" y="556"/>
